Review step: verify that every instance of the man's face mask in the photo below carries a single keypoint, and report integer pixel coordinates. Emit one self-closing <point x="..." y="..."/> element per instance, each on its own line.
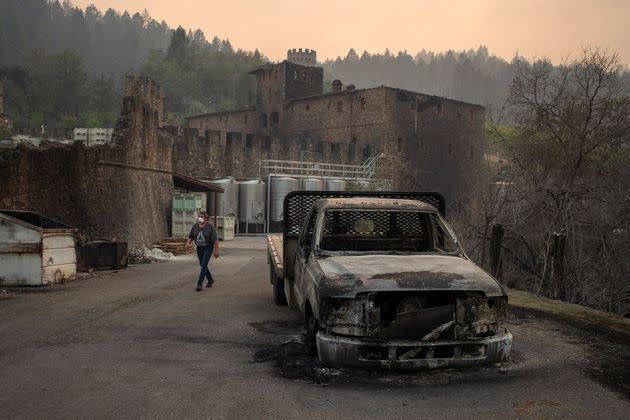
<point x="201" y="220"/>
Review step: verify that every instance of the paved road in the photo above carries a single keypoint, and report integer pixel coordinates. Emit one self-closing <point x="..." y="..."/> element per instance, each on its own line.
<point x="142" y="343"/>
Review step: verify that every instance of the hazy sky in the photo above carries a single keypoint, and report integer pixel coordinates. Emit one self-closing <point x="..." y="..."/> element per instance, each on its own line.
<point x="549" y="28"/>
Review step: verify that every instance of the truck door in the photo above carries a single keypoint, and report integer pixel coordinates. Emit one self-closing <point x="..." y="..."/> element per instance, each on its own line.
<point x="304" y="248"/>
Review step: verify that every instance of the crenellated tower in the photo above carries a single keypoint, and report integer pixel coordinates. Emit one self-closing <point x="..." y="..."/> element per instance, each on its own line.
<point x="304" y="57"/>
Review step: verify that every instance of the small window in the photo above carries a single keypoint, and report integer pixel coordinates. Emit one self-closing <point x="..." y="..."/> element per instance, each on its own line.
<point x="245" y="119"/>
<point x="413" y="105"/>
<point x="275" y="119"/>
<point x="263" y="120"/>
<point x="399" y="145"/>
<point x="363" y="101"/>
<point x="352" y="151"/>
<point x="471" y="115"/>
<point x="267" y="143"/>
<point x="249" y="141"/>
<point x="320" y="147"/>
<point x="304" y="76"/>
<point x="353" y="140"/>
<point x="227" y="118"/>
<point x="220" y="119"/>
<point x="307" y="107"/>
<point x="335" y="148"/>
<point x="276" y="74"/>
<point x="339" y="106"/>
<point x="472" y="152"/>
<point x="367" y="152"/>
<point x="295" y="75"/>
<point x="438" y="108"/>
<point x="450" y="150"/>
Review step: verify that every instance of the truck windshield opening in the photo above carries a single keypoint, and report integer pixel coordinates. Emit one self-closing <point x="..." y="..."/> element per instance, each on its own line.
<point x="386" y="231"/>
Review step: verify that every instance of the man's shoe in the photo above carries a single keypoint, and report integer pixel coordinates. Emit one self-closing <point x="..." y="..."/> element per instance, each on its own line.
<point x="198" y="288"/>
<point x="210" y="283"/>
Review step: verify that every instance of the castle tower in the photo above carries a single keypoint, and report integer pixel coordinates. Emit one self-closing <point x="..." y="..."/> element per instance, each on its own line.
<point x="306" y="57"/>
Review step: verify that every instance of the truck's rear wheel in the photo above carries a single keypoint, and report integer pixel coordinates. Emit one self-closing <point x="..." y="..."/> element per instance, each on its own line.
<point x="279" y="298"/>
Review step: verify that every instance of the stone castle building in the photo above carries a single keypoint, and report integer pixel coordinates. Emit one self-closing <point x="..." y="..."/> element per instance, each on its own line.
<point x="431" y="143"/>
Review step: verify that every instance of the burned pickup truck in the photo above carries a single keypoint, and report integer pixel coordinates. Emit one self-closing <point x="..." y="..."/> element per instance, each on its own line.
<point x="382" y="280"/>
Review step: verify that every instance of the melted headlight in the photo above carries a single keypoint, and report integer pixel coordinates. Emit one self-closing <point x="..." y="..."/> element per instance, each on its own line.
<point x="477" y="315"/>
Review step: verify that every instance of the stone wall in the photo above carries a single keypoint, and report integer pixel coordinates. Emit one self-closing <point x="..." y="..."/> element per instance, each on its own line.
<point x="439" y="144"/>
<point x="300" y="81"/>
<point x="88" y="188"/>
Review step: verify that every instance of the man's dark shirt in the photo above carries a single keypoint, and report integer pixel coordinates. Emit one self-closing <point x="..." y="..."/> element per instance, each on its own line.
<point x="203" y="237"/>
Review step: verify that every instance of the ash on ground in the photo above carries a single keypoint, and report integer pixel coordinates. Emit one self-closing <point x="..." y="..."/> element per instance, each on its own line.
<point x="147" y="256"/>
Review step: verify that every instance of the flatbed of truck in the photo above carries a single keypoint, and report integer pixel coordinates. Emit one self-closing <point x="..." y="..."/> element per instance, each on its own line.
<point x="276" y="249"/>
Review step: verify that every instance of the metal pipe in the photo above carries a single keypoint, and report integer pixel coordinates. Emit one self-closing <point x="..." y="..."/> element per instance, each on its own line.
<point x="268" y="202"/>
<point x="216" y="200"/>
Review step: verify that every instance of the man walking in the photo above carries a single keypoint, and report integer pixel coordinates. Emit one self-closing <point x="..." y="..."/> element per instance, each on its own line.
<point x="205" y="237"/>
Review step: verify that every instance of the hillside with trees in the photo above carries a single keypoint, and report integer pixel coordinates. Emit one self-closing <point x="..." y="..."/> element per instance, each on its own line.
<point x="63" y="66"/>
<point x="473" y="76"/>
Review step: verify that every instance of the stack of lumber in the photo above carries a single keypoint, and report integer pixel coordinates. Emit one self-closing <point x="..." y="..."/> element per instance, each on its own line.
<point x="176" y="246"/>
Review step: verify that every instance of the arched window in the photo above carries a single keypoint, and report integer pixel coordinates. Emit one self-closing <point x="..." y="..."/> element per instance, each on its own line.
<point x="275" y="119"/>
<point x="263" y="120"/>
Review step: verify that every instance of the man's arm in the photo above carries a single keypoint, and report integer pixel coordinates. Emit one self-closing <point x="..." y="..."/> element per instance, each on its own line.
<point x="215" y="239"/>
<point x="190" y="237"/>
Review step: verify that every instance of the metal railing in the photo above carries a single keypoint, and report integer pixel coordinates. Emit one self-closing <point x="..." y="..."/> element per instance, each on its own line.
<point x="301" y="169"/>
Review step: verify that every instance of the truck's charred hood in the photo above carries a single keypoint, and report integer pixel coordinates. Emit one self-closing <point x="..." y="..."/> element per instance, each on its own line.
<point x="349" y="275"/>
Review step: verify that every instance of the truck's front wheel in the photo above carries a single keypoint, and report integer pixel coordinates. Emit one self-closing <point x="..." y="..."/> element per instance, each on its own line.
<point x="279" y="298"/>
<point x="312" y="326"/>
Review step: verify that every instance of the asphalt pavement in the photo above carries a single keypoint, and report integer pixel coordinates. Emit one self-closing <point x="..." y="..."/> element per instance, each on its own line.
<point x="141" y="342"/>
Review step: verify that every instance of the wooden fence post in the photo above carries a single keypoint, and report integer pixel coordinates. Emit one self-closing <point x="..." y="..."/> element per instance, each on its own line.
<point x="496" y="254"/>
<point x="558" y="245"/>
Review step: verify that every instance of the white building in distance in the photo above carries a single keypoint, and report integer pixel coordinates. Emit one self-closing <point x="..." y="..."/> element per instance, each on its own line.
<point x="93" y="136"/>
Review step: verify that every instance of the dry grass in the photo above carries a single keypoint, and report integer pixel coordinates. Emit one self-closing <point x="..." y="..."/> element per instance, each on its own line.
<point x="576" y="312"/>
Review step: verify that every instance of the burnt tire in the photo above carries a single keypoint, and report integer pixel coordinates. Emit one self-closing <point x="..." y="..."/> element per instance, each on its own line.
<point x="312" y="326"/>
<point x="279" y="298"/>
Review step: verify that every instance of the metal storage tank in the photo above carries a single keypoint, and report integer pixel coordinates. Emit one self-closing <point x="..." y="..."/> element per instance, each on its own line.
<point x="280" y="187"/>
<point x="312" y="184"/>
<point x="251" y="203"/>
<point x="227" y="203"/>
<point x="335" y="185"/>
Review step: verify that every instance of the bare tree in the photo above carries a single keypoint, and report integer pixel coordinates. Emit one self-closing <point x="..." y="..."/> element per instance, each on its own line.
<point x="564" y="215"/>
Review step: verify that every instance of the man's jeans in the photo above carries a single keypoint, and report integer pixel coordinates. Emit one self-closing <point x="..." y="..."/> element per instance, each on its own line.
<point x="204" y="253"/>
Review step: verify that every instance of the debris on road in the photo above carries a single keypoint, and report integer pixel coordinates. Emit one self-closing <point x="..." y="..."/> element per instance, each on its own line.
<point x="147" y="256"/>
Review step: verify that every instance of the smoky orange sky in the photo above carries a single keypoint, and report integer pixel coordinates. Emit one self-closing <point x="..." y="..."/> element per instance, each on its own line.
<point x="533" y="28"/>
